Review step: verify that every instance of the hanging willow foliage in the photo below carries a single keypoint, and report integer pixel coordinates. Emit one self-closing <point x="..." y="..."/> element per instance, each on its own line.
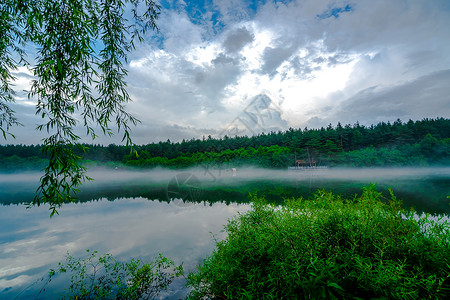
<point x="79" y="76"/>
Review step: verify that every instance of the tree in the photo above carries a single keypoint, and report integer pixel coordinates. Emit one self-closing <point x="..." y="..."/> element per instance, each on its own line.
<point x="79" y="76"/>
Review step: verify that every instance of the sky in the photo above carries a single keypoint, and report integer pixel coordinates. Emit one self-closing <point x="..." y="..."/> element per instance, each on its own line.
<point x="229" y="67"/>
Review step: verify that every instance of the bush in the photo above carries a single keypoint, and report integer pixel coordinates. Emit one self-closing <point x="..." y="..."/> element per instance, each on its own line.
<point x="328" y="248"/>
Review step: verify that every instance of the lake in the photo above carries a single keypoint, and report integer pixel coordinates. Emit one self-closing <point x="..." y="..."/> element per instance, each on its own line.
<point x="176" y="213"/>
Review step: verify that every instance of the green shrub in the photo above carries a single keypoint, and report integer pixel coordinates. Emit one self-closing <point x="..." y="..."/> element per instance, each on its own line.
<point x="328" y="248"/>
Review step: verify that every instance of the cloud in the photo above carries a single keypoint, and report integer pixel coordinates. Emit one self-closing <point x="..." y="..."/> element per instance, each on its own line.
<point x="262" y="114"/>
<point x="179" y="32"/>
<point x="335" y="12"/>
<point x="274" y="57"/>
<point x="320" y="61"/>
<point x="424" y="97"/>
<point x="237" y="39"/>
<point x="232" y="11"/>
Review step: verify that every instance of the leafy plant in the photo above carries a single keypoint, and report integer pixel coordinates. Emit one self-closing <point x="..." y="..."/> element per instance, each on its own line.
<point x="103" y="277"/>
<point x="78" y="75"/>
<point x="328" y="248"/>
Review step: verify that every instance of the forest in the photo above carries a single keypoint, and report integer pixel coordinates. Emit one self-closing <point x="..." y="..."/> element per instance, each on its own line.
<point x="413" y="143"/>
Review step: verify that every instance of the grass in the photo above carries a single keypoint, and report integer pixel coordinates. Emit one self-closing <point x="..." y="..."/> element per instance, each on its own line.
<point x="328" y="248"/>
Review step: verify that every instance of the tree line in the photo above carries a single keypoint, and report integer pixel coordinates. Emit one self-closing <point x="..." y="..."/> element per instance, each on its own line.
<point x="399" y="143"/>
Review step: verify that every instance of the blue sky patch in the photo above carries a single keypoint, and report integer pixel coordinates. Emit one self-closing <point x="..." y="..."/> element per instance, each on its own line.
<point x="335" y="12"/>
<point x="198" y="10"/>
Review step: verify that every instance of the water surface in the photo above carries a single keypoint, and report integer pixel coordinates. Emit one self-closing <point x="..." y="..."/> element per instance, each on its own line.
<point x="141" y="214"/>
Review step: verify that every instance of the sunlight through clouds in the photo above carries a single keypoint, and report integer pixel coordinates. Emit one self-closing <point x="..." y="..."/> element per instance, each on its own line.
<point x="318" y="58"/>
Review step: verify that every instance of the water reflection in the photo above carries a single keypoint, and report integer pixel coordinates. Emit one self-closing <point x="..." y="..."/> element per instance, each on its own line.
<point x="114" y="213"/>
<point x="32" y="243"/>
<point x="425" y="189"/>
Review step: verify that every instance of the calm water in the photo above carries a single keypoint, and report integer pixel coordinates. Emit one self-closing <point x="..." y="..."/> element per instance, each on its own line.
<point x="131" y="214"/>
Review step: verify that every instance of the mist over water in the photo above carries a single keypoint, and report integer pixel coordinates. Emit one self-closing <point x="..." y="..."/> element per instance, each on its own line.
<point x="425" y="189"/>
<point x="220" y="176"/>
<point x="209" y="172"/>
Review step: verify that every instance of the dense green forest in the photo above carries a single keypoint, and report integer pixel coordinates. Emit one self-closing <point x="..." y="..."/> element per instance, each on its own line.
<point x="414" y="143"/>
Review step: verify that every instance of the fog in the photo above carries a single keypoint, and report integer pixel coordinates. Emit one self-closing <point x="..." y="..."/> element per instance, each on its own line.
<point x="217" y="176"/>
<point x="423" y="188"/>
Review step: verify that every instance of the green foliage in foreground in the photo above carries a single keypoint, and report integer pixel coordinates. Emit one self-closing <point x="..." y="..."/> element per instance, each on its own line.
<point x="103" y="277"/>
<point x="328" y="248"/>
<point x="78" y="76"/>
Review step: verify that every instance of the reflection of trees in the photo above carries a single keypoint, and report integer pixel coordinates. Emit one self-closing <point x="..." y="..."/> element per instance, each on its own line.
<point x="428" y="196"/>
